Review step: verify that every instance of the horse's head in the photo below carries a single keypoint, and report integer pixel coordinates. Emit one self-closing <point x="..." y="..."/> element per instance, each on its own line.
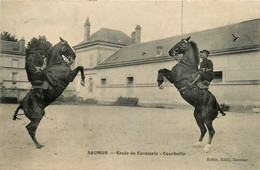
<point x="62" y="52"/>
<point x="185" y="51"/>
<point x="179" y="48"/>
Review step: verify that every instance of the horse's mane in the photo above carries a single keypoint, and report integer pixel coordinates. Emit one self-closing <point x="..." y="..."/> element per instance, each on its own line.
<point x="49" y="54"/>
<point x="196" y="52"/>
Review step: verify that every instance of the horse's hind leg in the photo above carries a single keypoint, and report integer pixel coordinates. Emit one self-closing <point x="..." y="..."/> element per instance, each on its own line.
<point x="32" y="127"/>
<point x="211" y="134"/>
<point x="200" y="123"/>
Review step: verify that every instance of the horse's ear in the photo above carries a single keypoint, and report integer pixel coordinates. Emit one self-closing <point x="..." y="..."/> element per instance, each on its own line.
<point x="187" y="39"/>
<point x="62" y="40"/>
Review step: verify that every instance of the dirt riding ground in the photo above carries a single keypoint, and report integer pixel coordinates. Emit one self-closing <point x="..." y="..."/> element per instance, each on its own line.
<point x="129" y="138"/>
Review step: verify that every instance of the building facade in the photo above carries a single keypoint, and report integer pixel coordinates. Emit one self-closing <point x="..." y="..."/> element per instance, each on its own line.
<point x="131" y="71"/>
<point x="13" y="81"/>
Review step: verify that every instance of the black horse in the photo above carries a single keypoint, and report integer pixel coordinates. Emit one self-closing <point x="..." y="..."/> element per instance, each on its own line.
<point x="204" y="102"/>
<point x="58" y="65"/>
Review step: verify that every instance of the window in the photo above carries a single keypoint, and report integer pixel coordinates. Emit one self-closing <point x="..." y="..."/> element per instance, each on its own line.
<point x="130" y="81"/>
<point x="103" y="81"/>
<point x="217" y="76"/>
<point x="159" y="51"/>
<point x="14" y="63"/>
<point x="235" y="37"/>
<point x="90" y="87"/>
<point x="14" y="78"/>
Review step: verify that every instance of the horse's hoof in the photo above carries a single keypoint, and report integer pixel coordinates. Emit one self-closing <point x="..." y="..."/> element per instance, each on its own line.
<point x="82" y="82"/>
<point x="161" y="86"/>
<point x="197" y="145"/>
<point x="206" y="148"/>
<point x="39" y="146"/>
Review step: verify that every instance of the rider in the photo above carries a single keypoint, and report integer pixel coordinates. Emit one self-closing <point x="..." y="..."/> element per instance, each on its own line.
<point x="35" y="67"/>
<point x="206" y="68"/>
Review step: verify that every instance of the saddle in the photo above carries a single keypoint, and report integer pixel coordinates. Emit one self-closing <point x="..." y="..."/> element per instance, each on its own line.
<point x="203" y="85"/>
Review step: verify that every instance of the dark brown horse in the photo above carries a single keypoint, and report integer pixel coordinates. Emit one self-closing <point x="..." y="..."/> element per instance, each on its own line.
<point x="204" y="102"/>
<point x="58" y="65"/>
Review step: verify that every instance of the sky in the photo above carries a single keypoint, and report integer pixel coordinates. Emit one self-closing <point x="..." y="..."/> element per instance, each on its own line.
<point x="158" y="19"/>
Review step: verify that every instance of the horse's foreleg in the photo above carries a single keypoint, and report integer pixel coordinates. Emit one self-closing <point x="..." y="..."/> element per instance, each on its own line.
<point x="32" y="127"/>
<point x="164" y="72"/>
<point x="74" y="73"/>
<point x="81" y="69"/>
<point x="200" y="123"/>
<point x="160" y="77"/>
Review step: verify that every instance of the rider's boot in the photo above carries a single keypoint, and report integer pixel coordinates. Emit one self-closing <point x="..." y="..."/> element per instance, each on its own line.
<point x="197" y="78"/>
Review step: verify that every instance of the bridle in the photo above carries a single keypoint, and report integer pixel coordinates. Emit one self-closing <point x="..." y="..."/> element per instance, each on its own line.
<point x="63" y="47"/>
<point x="64" y="51"/>
<point x="181" y="48"/>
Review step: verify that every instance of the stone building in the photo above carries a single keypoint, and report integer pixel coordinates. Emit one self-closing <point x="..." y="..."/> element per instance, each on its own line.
<point x="13" y="81"/>
<point x="119" y="65"/>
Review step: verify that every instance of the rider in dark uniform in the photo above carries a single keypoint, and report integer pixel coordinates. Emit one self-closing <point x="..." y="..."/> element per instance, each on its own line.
<point x="36" y="73"/>
<point x="206" y="68"/>
<point x="33" y="67"/>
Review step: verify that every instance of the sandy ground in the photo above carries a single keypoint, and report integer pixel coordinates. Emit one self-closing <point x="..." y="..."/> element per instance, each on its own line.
<point x="71" y="132"/>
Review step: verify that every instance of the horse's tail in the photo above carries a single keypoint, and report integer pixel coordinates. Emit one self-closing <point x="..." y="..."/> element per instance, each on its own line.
<point x="221" y="110"/>
<point x="16" y="112"/>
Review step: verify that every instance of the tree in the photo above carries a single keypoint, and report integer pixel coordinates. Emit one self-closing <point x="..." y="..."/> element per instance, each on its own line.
<point x="8" y="37"/>
<point x="39" y="44"/>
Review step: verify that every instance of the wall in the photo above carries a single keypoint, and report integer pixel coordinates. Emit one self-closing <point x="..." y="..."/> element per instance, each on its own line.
<point x="240" y="82"/>
<point x="12" y="60"/>
<point x="8" y="69"/>
<point x="98" y="53"/>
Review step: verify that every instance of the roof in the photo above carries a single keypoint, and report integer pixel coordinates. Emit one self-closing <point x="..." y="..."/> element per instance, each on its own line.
<point x="109" y="35"/>
<point x="11" y="47"/>
<point x="215" y="40"/>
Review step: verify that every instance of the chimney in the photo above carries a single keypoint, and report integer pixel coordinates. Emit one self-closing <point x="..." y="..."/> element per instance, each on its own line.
<point x="87" y="30"/>
<point x="137" y="34"/>
<point x="133" y="36"/>
<point x="22" y="44"/>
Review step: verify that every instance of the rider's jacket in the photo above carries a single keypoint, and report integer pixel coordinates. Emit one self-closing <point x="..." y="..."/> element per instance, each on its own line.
<point x="32" y="72"/>
<point x="206" y="63"/>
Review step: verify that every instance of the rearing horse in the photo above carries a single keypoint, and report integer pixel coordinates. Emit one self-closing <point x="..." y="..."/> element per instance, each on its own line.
<point x="204" y="102"/>
<point x="58" y="65"/>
